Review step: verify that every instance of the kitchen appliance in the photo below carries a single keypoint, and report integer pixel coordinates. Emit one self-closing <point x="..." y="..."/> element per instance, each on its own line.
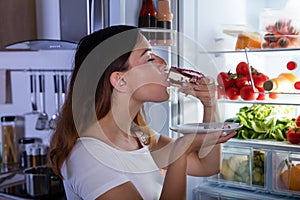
<point x="42" y="44"/>
<point x="79" y="18"/>
<point x="61" y="24"/>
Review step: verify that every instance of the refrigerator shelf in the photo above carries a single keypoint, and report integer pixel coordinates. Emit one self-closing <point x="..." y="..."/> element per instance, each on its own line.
<point x="266" y="144"/>
<point x="285" y="99"/>
<point x="250" y="51"/>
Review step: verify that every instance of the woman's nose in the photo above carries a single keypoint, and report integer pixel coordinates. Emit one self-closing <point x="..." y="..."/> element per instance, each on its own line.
<point x="159" y="59"/>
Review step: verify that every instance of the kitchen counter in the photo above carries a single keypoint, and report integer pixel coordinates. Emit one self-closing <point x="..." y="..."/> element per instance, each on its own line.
<point x="18" y="192"/>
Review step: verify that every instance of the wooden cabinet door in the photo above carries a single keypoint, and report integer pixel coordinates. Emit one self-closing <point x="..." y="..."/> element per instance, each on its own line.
<point x="17" y="21"/>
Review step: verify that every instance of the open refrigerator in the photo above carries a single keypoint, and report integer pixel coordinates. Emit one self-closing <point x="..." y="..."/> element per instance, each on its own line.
<point x="251" y="168"/>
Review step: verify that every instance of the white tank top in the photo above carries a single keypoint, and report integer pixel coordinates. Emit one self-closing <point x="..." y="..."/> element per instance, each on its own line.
<point x="94" y="167"/>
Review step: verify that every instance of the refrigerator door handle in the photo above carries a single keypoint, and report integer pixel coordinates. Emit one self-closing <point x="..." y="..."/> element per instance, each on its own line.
<point x="92" y="26"/>
<point x="89" y="16"/>
<point x="95" y="19"/>
<point x="105" y="13"/>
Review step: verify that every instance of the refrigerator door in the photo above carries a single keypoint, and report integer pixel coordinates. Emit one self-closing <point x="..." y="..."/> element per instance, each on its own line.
<point x="79" y="18"/>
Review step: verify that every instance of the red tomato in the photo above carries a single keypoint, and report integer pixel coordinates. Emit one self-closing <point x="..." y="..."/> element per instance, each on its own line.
<point x="261" y="94"/>
<point x="242" y="81"/>
<point x="273" y="96"/>
<point x="297" y="85"/>
<point x="259" y="79"/>
<point x="298" y="121"/>
<point x="293" y="135"/>
<point x="232" y="93"/>
<point x="225" y="79"/>
<point x="247" y="93"/>
<point x="220" y="92"/>
<point x="242" y="68"/>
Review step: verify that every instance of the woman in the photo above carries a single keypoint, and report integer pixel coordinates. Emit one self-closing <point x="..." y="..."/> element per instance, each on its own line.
<point x="102" y="147"/>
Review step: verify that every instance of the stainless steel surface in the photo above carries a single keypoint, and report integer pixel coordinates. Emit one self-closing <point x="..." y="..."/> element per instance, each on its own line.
<point x="52" y="121"/>
<point x="79" y="18"/>
<point x="33" y="92"/>
<point x="64" y="84"/>
<point x="42" y="45"/>
<point x="42" y="181"/>
<point x="42" y="121"/>
<point x="37" y="181"/>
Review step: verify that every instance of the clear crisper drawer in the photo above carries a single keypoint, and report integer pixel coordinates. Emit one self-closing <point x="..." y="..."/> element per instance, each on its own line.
<point x="286" y="168"/>
<point x="211" y="191"/>
<point x="242" y="168"/>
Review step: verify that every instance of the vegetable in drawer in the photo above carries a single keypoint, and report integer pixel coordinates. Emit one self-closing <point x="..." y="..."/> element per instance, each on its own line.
<point x="291" y="178"/>
<point x="261" y="121"/>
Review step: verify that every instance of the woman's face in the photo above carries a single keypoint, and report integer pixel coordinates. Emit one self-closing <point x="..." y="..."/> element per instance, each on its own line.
<point x="146" y="77"/>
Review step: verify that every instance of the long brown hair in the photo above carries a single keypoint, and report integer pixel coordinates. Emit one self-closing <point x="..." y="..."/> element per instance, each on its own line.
<point x="72" y="121"/>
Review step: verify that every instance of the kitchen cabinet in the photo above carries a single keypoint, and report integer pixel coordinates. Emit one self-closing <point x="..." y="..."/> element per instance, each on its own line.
<point x="17" y="21"/>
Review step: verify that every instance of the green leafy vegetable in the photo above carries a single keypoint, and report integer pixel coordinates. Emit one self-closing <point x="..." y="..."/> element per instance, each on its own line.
<point x="262" y="121"/>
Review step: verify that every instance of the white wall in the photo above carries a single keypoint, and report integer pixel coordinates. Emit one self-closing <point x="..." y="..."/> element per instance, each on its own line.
<point x="54" y="59"/>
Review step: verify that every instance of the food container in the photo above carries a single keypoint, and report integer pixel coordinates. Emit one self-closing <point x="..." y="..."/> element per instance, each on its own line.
<point x="286" y="172"/>
<point x="248" y="40"/>
<point x="12" y="130"/>
<point x="279" y="29"/>
<point x="42" y="181"/>
<point x="23" y="144"/>
<point x="242" y="168"/>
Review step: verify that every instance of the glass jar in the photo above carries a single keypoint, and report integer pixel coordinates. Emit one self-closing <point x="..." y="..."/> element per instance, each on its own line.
<point x="24" y="143"/>
<point x="12" y="129"/>
<point x="35" y="151"/>
<point x="43" y="154"/>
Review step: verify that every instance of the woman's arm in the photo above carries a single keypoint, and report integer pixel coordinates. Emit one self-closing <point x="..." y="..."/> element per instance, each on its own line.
<point x="210" y="162"/>
<point x="206" y="160"/>
<point x="206" y="165"/>
<point x="180" y="158"/>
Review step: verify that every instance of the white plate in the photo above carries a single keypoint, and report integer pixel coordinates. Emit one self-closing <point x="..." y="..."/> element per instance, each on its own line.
<point x="205" y="127"/>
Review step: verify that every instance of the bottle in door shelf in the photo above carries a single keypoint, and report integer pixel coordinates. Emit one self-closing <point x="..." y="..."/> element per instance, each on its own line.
<point x="148" y="18"/>
<point x="164" y="21"/>
<point x="284" y="83"/>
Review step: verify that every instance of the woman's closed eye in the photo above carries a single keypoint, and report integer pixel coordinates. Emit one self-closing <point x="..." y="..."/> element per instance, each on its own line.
<point x="150" y="59"/>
